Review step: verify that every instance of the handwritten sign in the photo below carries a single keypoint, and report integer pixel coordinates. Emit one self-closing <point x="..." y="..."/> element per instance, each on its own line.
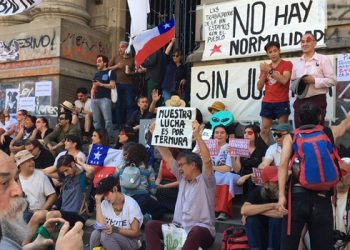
<point x="174" y="127"/>
<point x="239" y="147"/>
<point x="213" y="146"/>
<point x="242" y="28"/>
<point x="257" y="172"/>
<point x="343" y="67"/>
<point x="13" y="7"/>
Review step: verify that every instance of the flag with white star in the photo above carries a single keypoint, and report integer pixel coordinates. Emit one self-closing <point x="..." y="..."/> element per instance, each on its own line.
<point x="148" y="42"/>
<point x="106" y="160"/>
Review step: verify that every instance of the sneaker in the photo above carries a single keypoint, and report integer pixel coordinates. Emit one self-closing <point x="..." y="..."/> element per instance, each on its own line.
<point x="222" y="216"/>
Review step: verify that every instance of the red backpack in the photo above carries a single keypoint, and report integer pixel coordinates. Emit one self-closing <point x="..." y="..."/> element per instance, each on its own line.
<point x="234" y="239"/>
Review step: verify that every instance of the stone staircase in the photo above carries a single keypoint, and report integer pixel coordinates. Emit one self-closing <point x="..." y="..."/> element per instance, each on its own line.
<point x="220" y="226"/>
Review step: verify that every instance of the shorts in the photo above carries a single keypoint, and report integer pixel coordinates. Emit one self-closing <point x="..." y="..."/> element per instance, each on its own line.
<point x="274" y="110"/>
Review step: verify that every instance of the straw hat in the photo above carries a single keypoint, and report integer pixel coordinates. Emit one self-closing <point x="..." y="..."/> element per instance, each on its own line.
<point x="175" y="101"/>
<point x="22" y="156"/>
<point x="67" y="105"/>
<point x="218" y="106"/>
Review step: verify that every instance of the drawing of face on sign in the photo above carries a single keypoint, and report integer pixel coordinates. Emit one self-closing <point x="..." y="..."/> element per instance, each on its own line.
<point x="224" y="118"/>
<point x="13" y="7"/>
<point x="13" y="53"/>
<point x="11" y="100"/>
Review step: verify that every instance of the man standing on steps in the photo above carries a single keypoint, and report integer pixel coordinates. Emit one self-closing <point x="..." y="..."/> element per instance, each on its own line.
<point x="317" y="72"/>
<point x="101" y="105"/>
<point x="275" y="78"/>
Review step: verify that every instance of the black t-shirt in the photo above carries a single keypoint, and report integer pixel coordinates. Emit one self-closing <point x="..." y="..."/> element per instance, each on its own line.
<point x="104" y="76"/>
<point x="44" y="160"/>
<point x="247" y="164"/>
<point x="258" y="196"/>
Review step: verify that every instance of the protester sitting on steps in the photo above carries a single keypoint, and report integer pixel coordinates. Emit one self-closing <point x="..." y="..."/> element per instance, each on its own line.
<point x="195" y="205"/>
<point x="119" y="217"/>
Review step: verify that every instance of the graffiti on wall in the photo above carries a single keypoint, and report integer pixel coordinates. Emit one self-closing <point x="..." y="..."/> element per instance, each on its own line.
<point x="82" y="47"/>
<point x="338" y="13"/>
<point x="28" y="47"/>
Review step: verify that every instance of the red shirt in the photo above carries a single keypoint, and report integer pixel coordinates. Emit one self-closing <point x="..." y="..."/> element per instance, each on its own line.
<point x="166" y="174"/>
<point x="276" y="91"/>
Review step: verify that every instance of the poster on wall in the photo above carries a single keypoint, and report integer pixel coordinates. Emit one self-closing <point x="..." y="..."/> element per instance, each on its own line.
<point x="43" y="101"/>
<point x="235" y="85"/>
<point x="11" y="102"/>
<point x="343" y="67"/>
<point x="27" y="96"/>
<point x="241" y="28"/>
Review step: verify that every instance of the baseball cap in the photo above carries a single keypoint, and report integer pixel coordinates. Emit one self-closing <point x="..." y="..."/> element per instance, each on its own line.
<point x="270" y="174"/>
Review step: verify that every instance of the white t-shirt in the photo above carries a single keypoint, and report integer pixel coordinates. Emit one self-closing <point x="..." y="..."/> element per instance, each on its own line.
<point x="223" y="158"/>
<point x="130" y="211"/>
<point x="86" y="106"/>
<point x="8" y="124"/>
<point x="274" y="153"/>
<point x="36" y="188"/>
<point x="81" y="156"/>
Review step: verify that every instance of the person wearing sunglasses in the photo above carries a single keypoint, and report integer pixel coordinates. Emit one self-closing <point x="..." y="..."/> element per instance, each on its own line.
<point x="55" y="140"/>
<point x="273" y="153"/>
<point x="243" y="165"/>
<point x="175" y="71"/>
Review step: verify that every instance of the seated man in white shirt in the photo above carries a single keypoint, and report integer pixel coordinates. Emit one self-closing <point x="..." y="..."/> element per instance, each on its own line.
<point x="38" y="190"/>
<point x="83" y="110"/>
<point x="273" y="153"/>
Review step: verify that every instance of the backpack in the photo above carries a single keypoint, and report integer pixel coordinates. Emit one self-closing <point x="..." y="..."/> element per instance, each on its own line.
<point x="316" y="154"/>
<point x="131" y="177"/>
<point x="234" y="239"/>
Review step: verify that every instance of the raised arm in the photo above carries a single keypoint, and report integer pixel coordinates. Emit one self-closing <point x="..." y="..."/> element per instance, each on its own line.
<point x="342" y="127"/>
<point x="207" y="165"/>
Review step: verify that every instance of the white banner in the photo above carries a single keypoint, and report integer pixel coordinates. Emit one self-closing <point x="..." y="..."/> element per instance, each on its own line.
<point x="242" y="28"/>
<point x="235" y="85"/>
<point x="13" y="7"/>
<point x="174" y="127"/>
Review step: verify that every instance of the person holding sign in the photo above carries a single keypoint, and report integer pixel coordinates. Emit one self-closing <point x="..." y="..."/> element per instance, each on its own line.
<point x="275" y="79"/>
<point x="194" y="210"/>
<point x="225" y="180"/>
<point x="244" y="165"/>
<point x="317" y="73"/>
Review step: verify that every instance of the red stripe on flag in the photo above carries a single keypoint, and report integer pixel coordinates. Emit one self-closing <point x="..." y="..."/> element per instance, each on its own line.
<point x="153" y="45"/>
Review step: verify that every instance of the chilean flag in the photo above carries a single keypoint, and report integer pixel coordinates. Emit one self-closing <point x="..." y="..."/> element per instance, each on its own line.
<point x="148" y="42"/>
<point x="106" y="160"/>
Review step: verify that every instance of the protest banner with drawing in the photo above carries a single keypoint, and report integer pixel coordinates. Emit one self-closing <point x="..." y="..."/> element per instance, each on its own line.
<point x="174" y="127"/>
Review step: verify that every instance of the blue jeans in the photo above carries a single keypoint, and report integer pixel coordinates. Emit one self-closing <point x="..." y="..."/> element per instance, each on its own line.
<point x="263" y="232"/>
<point x="125" y="104"/>
<point x="103" y="107"/>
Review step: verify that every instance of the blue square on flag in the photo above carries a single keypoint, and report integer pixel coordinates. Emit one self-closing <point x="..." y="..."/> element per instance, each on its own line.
<point x="165" y="27"/>
<point x="97" y="155"/>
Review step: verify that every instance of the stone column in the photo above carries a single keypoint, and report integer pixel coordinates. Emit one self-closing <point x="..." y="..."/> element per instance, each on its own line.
<point x="74" y="10"/>
<point x="15" y="19"/>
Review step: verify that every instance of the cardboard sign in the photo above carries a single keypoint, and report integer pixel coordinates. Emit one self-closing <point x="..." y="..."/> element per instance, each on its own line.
<point x="239" y="147"/>
<point x="174" y="127"/>
<point x="257" y="172"/>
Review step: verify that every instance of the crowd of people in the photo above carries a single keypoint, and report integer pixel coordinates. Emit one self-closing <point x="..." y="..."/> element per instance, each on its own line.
<point x="47" y="183"/>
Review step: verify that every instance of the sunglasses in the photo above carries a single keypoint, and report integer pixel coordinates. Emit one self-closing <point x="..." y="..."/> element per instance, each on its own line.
<point x="175" y="55"/>
<point x="279" y="135"/>
<point x="249" y="132"/>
